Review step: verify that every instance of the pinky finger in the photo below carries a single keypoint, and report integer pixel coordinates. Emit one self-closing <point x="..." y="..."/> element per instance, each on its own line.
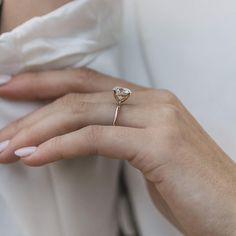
<point x="114" y="142"/>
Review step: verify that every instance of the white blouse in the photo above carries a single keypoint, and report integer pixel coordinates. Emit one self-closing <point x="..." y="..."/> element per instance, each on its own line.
<point x="77" y="197"/>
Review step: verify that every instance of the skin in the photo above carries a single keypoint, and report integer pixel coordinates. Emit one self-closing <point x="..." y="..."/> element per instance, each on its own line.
<point x="191" y="180"/>
<point x="15" y="12"/>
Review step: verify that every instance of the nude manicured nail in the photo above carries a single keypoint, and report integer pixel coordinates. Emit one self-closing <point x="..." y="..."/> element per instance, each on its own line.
<point x="4" y="79"/>
<point x="26" y="151"/>
<point x="3" y="145"/>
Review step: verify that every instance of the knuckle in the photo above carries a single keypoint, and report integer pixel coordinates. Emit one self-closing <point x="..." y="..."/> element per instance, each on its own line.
<point x="16" y="125"/>
<point x="168" y="96"/>
<point x="170" y="128"/>
<point x="124" y="133"/>
<point x="24" y="134"/>
<point x="55" y="145"/>
<point x="93" y="136"/>
<point x="93" y="132"/>
<point x="67" y="99"/>
<point x="74" y="103"/>
<point x="169" y="112"/>
<point x="86" y="76"/>
<point x="160" y="96"/>
<point x="79" y="107"/>
<point x="37" y="77"/>
<point x="86" y="72"/>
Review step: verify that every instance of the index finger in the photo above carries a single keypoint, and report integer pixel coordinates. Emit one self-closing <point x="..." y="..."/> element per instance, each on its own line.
<point x="54" y="84"/>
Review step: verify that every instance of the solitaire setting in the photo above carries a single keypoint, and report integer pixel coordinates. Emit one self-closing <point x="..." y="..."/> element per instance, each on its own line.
<point x="121" y="95"/>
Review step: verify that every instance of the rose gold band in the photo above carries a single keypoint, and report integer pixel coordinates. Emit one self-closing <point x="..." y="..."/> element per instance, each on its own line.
<point x="116" y="114"/>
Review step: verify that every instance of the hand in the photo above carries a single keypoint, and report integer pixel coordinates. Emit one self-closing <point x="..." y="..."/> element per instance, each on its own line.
<point x="192" y="178"/>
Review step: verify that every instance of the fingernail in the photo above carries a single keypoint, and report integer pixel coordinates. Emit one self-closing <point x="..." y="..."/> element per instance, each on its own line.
<point x="3" y="145"/>
<point x="4" y="79"/>
<point x="26" y="151"/>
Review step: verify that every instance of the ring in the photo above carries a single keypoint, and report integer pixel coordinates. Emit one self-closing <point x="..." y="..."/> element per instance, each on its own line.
<point x="121" y="95"/>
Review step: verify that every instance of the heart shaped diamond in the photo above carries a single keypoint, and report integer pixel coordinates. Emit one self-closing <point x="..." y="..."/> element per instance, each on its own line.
<point x="121" y="94"/>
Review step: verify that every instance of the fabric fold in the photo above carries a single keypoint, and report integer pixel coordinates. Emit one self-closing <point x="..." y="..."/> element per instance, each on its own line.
<point x="72" y="35"/>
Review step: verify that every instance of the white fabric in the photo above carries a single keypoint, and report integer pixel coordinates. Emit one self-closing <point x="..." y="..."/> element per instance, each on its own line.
<point x="186" y="46"/>
<point x="67" y="198"/>
<point x="71" y="36"/>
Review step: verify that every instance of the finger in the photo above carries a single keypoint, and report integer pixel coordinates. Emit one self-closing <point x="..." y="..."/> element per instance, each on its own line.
<point x="142" y="96"/>
<point x="74" y="101"/>
<point x="11" y="129"/>
<point x="70" y="116"/>
<point x="37" y="133"/>
<point x="115" y="142"/>
<point x="71" y="101"/>
<point x="59" y="123"/>
<point x="54" y="84"/>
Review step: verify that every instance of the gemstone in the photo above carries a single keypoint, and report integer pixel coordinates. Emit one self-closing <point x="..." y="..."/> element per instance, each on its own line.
<point x="121" y="94"/>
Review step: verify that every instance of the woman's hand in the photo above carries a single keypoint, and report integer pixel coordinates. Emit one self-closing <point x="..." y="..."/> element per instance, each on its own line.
<point x="192" y="178"/>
